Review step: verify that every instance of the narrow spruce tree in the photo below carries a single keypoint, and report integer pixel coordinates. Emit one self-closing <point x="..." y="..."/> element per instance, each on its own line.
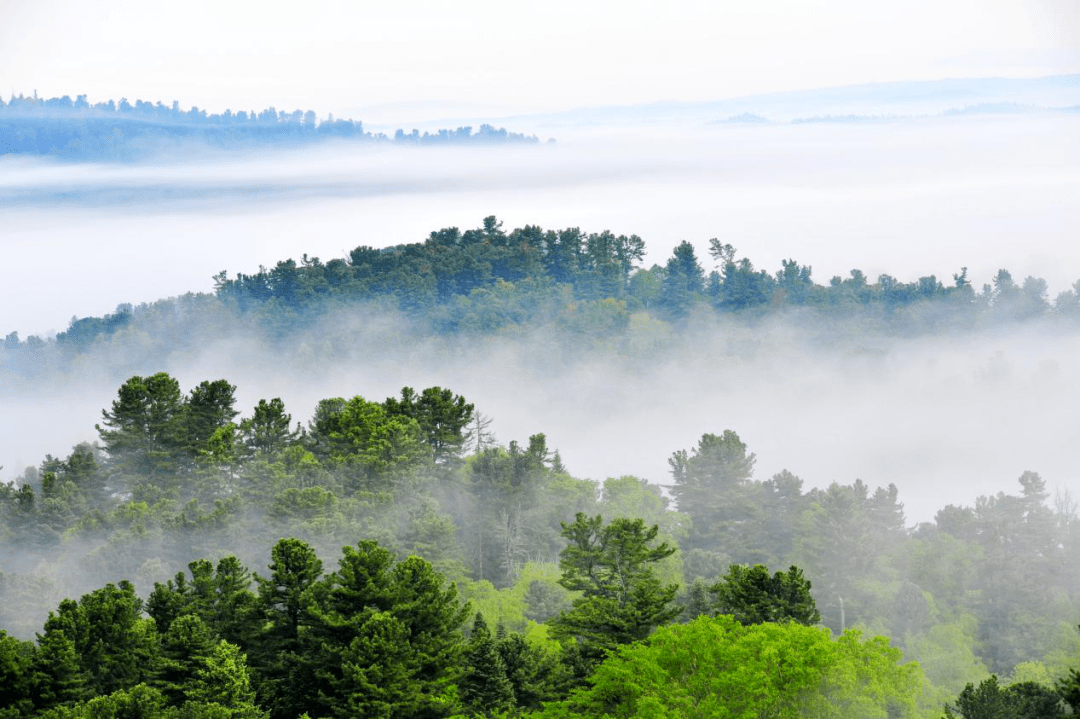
<point x="57" y="676"/>
<point x="484" y="686"/>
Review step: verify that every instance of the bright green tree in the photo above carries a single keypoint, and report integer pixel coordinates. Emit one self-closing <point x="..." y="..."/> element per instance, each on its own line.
<point x="223" y="680"/>
<point x="717" y="668"/>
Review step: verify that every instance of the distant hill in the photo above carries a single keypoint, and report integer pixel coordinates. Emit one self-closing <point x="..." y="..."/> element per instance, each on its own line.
<point x="78" y="130"/>
<point x="881" y="99"/>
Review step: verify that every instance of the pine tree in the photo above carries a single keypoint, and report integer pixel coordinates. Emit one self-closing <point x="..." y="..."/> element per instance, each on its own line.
<point x="484" y="686"/>
<point x="224" y="680"/>
<point x="58" y="678"/>
<point x="622" y="601"/>
<point x="185" y="648"/>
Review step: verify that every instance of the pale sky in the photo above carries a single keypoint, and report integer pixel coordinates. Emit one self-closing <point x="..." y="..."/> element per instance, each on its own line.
<point x="474" y="56"/>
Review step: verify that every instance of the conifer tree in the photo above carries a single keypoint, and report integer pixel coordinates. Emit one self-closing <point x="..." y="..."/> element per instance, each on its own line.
<point x="484" y="686"/>
<point x="224" y="680"/>
<point x="621" y="599"/>
<point x="185" y="648"/>
<point x="58" y="678"/>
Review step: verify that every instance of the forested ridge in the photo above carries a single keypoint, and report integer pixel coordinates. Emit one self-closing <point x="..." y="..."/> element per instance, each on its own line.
<point x="67" y="129"/>
<point x="586" y="289"/>
<point x="479" y="578"/>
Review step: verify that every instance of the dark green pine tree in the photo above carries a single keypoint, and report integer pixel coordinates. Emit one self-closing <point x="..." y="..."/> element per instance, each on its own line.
<point x="384" y="637"/>
<point x="376" y="671"/>
<point x="220" y="597"/>
<point x="621" y="599"/>
<point x="268" y="431"/>
<point x="535" y="675"/>
<point x="143" y="431"/>
<point x="16" y="675"/>
<point x="484" y="686"/>
<point x="209" y="407"/>
<point x="442" y="416"/>
<point x="185" y="648"/>
<point x="1025" y="700"/>
<point x="116" y="647"/>
<point x="57" y="677"/>
<point x="683" y="283"/>
<point x="752" y="596"/>
<point x="282" y="680"/>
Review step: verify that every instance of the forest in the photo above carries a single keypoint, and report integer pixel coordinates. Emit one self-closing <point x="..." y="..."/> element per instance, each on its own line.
<point x="588" y="288"/>
<point x="392" y="557"/>
<point x="490" y="581"/>
<point x="77" y="130"/>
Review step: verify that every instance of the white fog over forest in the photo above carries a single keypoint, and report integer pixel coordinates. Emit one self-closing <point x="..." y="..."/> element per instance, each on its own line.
<point x="608" y="342"/>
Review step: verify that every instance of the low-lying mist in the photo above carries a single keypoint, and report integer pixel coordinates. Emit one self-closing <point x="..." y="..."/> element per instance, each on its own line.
<point x="945" y="418"/>
<point x="907" y="198"/>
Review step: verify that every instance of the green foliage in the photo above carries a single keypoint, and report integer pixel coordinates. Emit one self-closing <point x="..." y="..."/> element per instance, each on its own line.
<point x="185" y="648"/>
<point x="363" y="437"/>
<point x="484" y="686"/>
<point x="683" y="282"/>
<point x="267" y="432"/>
<point x="16" y="679"/>
<point x="989" y="700"/>
<point x="719" y="668"/>
<point x="710" y="485"/>
<point x="1069" y="689"/>
<point x="223" y="680"/>
<point x="385" y="638"/>
<point x="219" y="596"/>
<point x="143" y="430"/>
<point x="138" y="702"/>
<point x="983" y="587"/>
<point x="115" y="647"/>
<point x="621" y="599"/>
<point x="752" y="596"/>
<point x="534" y="672"/>
<point x="441" y="415"/>
<point x="58" y="677"/>
<point x="209" y="408"/>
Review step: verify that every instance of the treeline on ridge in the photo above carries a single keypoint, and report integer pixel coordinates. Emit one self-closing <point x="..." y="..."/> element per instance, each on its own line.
<point x="419" y="480"/>
<point x="587" y="287"/>
<point x="78" y="130"/>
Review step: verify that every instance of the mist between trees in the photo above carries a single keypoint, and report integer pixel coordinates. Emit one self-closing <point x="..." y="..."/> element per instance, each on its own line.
<point x="179" y="476"/>
<point x="179" y="471"/>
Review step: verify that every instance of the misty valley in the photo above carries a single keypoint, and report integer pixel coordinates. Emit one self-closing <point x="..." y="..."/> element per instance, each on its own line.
<point x="217" y="548"/>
